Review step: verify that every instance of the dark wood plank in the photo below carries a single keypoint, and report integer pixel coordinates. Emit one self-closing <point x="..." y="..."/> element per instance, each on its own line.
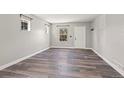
<point x="61" y="63"/>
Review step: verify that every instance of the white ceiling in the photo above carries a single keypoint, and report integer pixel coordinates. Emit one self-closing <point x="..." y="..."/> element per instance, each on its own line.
<point x="62" y="18"/>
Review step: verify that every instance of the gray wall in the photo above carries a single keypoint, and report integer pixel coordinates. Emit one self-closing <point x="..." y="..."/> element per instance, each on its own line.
<point x="108" y="37"/>
<point x="54" y="34"/>
<point x="15" y="44"/>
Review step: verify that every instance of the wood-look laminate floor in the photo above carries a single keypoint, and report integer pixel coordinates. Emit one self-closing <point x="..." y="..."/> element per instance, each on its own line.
<point x="61" y="63"/>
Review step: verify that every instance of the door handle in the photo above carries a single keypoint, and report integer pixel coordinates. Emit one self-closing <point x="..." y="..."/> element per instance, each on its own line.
<point x="75" y="38"/>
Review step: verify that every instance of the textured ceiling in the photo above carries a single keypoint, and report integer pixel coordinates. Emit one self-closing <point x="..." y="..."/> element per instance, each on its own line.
<point x="62" y="18"/>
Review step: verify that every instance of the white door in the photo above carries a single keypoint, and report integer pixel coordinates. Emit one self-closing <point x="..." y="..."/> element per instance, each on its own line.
<point x="79" y="37"/>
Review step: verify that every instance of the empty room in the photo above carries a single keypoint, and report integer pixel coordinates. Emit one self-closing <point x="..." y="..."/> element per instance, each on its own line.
<point x="61" y="45"/>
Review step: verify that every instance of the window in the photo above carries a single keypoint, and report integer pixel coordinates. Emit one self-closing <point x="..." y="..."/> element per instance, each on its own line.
<point x="63" y="34"/>
<point x="25" y="23"/>
<point x="47" y="28"/>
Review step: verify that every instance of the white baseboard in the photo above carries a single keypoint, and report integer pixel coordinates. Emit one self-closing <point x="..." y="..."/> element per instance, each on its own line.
<point x="119" y="68"/>
<point x="69" y="47"/>
<point x="21" y="59"/>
